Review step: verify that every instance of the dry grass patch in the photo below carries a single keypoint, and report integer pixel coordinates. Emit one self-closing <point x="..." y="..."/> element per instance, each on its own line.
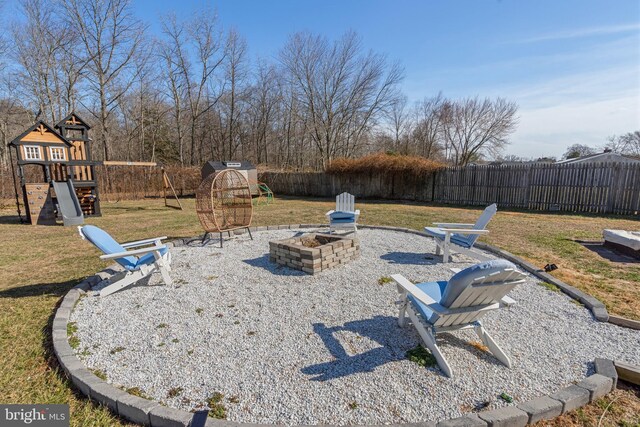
<point x="620" y="408"/>
<point x="479" y="346"/>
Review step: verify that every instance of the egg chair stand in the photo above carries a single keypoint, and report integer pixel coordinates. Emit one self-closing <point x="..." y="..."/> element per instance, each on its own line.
<point x="223" y="204"/>
<point x="207" y="236"/>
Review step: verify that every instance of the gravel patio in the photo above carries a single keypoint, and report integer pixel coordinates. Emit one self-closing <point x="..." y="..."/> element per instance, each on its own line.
<point x="286" y="347"/>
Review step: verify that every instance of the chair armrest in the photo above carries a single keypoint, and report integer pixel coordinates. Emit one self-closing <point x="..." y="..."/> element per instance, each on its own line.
<point x="418" y="294"/>
<point x="453" y="225"/>
<point x="142" y="242"/>
<point x="507" y="302"/>
<point x="330" y="212"/>
<point x="464" y="231"/>
<point x="357" y="212"/>
<point x="134" y="252"/>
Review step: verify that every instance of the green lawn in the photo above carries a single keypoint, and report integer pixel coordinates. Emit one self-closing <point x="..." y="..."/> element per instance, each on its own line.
<point x="38" y="264"/>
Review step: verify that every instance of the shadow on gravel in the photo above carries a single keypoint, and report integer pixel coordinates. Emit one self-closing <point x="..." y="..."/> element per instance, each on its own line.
<point x="411" y="258"/>
<point x="381" y="329"/>
<point x="393" y="345"/>
<point x="119" y="275"/>
<point x="451" y="340"/>
<point x="272" y="267"/>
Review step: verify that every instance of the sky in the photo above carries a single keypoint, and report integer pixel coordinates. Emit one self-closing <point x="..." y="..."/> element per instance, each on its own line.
<point x="572" y="66"/>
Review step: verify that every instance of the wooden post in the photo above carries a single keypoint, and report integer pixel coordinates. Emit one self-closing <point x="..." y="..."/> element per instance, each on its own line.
<point x="15" y="186"/>
<point x="166" y="183"/>
<point x="164" y="186"/>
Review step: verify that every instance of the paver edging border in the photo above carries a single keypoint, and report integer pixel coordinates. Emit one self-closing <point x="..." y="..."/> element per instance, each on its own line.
<point x="596" y="306"/>
<point x="152" y="413"/>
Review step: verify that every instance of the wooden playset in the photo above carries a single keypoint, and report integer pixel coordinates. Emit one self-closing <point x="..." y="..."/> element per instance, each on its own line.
<point x="63" y="154"/>
<point x="66" y="185"/>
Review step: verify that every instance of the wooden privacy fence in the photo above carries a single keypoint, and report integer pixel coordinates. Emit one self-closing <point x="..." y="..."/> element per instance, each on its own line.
<point x="581" y="187"/>
<point x="366" y="185"/>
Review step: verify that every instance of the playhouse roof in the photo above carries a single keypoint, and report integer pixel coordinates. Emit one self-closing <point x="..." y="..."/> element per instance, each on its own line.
<point x="72" y="120"/>
<point x="40" y="133"/>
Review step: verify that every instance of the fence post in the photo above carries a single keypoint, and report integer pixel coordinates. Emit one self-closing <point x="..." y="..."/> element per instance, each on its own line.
<point x="433" y="186"/>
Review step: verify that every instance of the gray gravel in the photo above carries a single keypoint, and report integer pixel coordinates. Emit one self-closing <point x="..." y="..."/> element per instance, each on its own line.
<point x="289" y="348"/>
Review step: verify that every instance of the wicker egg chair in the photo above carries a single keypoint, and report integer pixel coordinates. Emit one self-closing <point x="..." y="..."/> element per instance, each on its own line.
<point x="223" y="203"/>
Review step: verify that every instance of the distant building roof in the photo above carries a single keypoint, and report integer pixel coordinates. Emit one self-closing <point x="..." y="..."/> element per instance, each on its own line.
<point x="519" y="162"/>
<point x="609" y="157"/>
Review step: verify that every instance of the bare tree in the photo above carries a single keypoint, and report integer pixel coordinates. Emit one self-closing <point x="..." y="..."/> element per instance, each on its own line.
<point x="296" y="149"/>
<point x="578" y="150"/>
<point x="4" y="45"/>
<point x="628" y="144"/>
<point x="13" y="116"/>
<point x="12" y="119"/>
<point x="134" y="109"/>
<point x="472" y="127"/>
<point x="112" y="37"/>
<point x="72" y="65"/>
<point x="427" y="132"/>
<point x="203" y="37"/>
<point x="263" y="103"/>
<point x="174" y="62"/>
<point x="340" y="89"/>
<point x="202" y="95"/>
<point x="44" y="48"/>
<point x="235" y="75"/>
<point x="400" y="124"/>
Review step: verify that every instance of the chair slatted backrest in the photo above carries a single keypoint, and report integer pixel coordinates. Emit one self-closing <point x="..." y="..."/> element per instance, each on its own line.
<point x="482" y="293"/>
<point x="345" y="202"/>
<point x="107" y="244"/>
<point x="480" y="224"/>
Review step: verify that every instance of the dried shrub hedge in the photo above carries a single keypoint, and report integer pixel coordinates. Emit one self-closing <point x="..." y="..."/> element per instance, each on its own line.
<point x="384" y="163"/>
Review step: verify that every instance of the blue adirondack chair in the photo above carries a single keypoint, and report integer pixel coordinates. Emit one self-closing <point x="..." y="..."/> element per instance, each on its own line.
<point x="345" y="215"/>
<point x="461" y="236"/>
<point x="151" y="256"/>
<point x="460" y="303"/>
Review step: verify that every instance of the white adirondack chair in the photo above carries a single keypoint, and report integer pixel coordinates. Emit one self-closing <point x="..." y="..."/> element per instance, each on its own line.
<point x="138" y="263"/>
<point x="461" y="237"/>
<point x="435" y="307"/>
<point x="345" y="215"/>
